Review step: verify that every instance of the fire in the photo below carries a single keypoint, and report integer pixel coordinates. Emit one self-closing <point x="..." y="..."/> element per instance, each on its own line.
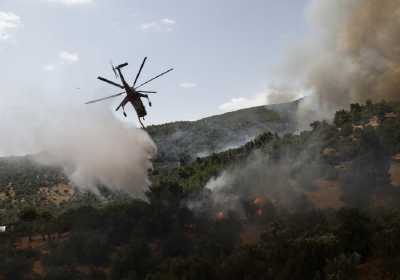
<point x="260" y="201"/>
<point x="220" y="216"/>
<point x="261" y="205"/>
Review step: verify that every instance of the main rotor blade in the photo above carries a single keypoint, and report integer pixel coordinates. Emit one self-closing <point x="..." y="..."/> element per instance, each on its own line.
<point x="110" y="82"/>
<point x="113" y="68"/>
<point x="105" y="98"/>
<point x="140" y="70"/>
<point x="158" y="76"/>
<point x="145" y="91"/>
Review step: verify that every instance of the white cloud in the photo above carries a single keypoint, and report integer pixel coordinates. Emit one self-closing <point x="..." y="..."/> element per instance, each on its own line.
<point x="269" y="96"/>
<point x="238" y="103"/>
<point x="162" y="25"/>
<point x="168" y="21"/>
<point x="148" y="25"/>
<point x="69" y="57"/>
<point x="49" y="67"/>
<point x="64" y="57"/>
<point x="72" y="2"/>
<point x="188" y="85"/>
<point x="9" y="22"/>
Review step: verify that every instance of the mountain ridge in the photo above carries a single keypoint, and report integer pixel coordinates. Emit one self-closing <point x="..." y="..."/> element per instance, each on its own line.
<point x="184" y="141"/>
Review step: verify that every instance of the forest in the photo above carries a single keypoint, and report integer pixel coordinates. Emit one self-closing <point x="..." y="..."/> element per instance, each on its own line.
<point x="244" y="213"/>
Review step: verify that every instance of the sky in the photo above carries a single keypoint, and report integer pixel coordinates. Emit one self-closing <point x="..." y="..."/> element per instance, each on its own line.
<point x="225" y="52"/>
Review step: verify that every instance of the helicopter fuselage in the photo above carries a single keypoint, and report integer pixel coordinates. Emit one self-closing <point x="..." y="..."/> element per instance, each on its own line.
<point x="133" y="97"/>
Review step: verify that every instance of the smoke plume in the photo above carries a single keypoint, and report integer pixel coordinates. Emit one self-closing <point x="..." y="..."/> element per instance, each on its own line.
<point x="89" y="142"/>
<point x="284" y="182"/>
<point x="353" y="56"/>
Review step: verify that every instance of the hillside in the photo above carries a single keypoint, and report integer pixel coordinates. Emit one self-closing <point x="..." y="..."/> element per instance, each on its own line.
<point x="321" y="204"/>
<point x="24" y="181"/>
<point x="313" y="160"/>
<point x="185" y="141"/>
<point x="352" y="162"/>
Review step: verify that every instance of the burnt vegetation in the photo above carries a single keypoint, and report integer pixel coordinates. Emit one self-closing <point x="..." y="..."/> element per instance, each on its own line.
<point x="183" y="232"/>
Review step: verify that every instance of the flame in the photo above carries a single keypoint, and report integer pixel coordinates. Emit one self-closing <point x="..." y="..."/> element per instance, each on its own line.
<point x="260" y="201"/>
<point x="220" y="216"/>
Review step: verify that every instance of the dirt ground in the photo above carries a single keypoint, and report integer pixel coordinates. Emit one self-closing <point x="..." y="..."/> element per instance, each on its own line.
<point x="327" y="195"/>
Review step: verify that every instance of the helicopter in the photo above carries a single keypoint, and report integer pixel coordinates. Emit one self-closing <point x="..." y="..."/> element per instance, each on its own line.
<point x="133" y="95"/>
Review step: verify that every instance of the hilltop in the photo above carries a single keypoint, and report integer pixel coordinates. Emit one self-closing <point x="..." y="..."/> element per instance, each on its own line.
<point x="184" y="141"/>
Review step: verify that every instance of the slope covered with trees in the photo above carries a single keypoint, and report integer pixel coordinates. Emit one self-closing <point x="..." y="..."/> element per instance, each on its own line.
<point x="246" y="213"/>
<point x="184" y="141"/>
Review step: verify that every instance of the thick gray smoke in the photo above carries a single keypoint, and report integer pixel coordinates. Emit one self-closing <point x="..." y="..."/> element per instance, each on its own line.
<point x="284" y="182"/>
<point x="353" y="55"/>
<point x="89" y="142"/>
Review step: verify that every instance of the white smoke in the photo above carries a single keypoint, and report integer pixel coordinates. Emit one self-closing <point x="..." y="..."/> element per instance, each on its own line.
<point x="89" y="142"/>
<point x="216" y="184"/>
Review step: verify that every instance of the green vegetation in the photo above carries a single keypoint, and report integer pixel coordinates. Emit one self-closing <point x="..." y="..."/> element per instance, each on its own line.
<point x="26" y="176"/>
<point x="163" y="240"/>
<point x="181" y="142"/>
<point x="275" y="231"/>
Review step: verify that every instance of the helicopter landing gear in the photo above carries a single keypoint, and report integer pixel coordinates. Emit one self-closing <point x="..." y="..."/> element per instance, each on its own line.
<point x="123" y="110"/>
<point x="140" y="121"/>
<point x="147" y="97"/>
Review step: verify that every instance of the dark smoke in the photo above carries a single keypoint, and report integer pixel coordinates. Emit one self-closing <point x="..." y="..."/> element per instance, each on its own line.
<point x="353" y="56"/>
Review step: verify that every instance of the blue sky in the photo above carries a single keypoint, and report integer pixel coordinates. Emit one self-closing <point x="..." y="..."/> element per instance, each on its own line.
<point x="225" y="53"/>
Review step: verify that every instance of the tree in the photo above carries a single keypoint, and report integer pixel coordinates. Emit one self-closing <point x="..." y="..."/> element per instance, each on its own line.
<point x="28" y="216"/>
<point x="342" y="117"/>
<point x="133" y="261"/>
<point x="354" y="231"/>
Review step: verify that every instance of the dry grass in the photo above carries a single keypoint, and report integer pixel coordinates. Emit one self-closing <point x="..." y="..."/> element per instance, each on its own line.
<point x="58" y="194"/>
<point x="395" y="173"/>
<point x="250" y="235"/>
<point x="328" y="195"/>
<point x="372" y="270"/>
